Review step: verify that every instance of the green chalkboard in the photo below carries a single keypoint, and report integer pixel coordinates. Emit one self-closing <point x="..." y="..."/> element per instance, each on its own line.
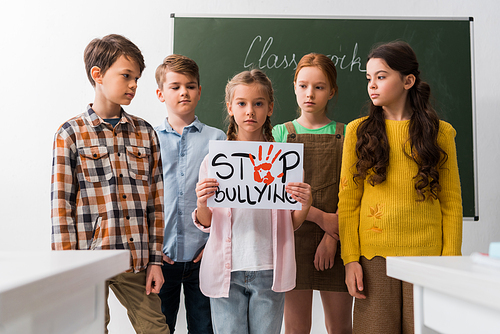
<point x="224" y="46"/>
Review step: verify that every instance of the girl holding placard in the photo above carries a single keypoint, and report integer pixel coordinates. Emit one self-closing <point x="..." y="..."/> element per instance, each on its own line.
<point x="317" y="251"/>
<point x="248" y="262"/>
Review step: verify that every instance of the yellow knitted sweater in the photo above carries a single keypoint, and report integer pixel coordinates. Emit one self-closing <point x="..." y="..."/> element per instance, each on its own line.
<point x="386" y="219"/>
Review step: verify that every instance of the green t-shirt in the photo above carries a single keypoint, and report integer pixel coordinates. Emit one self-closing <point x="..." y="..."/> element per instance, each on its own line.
<point x="280" y="132"/>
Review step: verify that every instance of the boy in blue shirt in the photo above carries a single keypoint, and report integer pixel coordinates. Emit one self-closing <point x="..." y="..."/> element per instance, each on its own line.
<point x="184" y="144"/>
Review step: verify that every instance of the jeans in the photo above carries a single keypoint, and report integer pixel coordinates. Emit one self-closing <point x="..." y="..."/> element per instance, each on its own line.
<point x="252" y="306"/>
<point x="197" y="305"/>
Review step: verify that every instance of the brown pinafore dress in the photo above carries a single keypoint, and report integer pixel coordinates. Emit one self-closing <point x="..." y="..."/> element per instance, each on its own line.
<point x="322" y="161"/>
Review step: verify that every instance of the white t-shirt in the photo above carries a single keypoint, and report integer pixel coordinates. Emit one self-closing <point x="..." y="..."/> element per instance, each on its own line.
<point x="252" y="243"/>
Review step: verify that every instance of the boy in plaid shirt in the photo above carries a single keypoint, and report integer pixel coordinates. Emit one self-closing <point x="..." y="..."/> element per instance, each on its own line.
<point x="107" y="184"/>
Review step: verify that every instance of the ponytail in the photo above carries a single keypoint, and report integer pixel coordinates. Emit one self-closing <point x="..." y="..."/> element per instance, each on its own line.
<point x="425" y="151"/>
<point x="268" y="130"/>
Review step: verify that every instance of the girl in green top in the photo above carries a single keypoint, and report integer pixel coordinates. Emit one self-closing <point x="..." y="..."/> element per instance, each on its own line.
<point x="317" y="250"/>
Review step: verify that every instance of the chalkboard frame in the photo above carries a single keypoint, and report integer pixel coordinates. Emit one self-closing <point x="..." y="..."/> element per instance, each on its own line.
<point x="468" y="179"/>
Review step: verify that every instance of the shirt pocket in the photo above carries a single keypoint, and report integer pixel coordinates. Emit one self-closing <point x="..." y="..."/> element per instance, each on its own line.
<point x="138" y="162"/>
<point x="96" y="166"/>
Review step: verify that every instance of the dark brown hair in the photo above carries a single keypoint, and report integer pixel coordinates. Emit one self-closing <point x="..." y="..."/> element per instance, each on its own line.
<point x="372" y="147"/>
<point x="103" y="52"/>
<point x="248" y="78"/>
<point x="177" y="63"/>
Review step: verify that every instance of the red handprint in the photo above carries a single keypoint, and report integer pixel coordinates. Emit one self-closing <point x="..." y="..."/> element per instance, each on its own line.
<point x="262" y="172"/>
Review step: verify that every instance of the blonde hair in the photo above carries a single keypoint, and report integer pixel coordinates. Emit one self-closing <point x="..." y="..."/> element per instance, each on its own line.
<point x="248" y="78"/>
<point x="177" y="63"/>
<point x="322" y="62"/>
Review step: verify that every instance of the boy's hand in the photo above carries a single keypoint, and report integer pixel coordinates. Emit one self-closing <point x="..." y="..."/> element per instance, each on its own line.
<point x="325" y="253"/>
<point x="204" y="189"/>
<point x="198" y="258"/>
<point x="301" y="192"/>
<point x="354" y="279"/>
<point x="154" y="279"/>
<point x="167" y="259"/>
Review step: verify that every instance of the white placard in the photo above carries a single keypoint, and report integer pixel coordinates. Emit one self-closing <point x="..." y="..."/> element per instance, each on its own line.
<point x="254" y="174"/>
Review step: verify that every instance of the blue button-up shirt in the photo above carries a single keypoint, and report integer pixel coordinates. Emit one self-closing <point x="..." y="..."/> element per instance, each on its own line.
<point x="181" y="158"/>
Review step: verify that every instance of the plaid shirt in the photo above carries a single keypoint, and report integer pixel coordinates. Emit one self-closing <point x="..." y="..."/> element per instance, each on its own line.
<point x="107" y="187"/>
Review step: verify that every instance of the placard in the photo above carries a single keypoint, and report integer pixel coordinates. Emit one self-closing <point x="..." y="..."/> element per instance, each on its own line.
<point x="254" y="174"/>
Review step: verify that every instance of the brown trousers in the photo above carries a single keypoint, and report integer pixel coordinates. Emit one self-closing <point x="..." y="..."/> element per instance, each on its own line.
<point x="144" y="311"/>
<point x="388" y="307"/>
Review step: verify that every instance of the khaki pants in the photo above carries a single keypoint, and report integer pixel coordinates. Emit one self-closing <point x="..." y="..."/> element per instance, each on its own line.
<point x="143" y="311"/>
<point x="388" y="307"/>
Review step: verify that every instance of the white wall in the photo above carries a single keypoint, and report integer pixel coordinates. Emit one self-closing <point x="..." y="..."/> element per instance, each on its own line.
<point x="44" y="83"/>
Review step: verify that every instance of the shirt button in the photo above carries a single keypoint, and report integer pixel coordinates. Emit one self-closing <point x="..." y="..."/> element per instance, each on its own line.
<point x="124" y="196"/>
<point x="139" y="153"/>
<point x="228" y="266"/>
<point x="131" y="239"/>
<point x="181" y="193"/>
<point x="128" y="217"/>
<point x="118" y="153"/>
<point x="180" y="213"/>
<point x="182" y="174"/>
<point x="228" y="239"/>
<point x="121" y="175"/>
<point x="95" y="155"/>
<point x="182" y="154"/>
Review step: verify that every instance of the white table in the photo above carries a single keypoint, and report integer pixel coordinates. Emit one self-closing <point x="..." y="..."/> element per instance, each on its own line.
<point x="56" y="291"/>
<point x="451" y="294"/>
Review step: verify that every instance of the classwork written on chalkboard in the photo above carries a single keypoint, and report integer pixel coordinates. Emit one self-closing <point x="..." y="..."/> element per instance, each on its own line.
<point x="261" y="56"/>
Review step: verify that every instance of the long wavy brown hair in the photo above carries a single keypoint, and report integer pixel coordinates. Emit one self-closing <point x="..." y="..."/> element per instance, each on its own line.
<point x="248" y="78"/>
<point x="372" y="147"/>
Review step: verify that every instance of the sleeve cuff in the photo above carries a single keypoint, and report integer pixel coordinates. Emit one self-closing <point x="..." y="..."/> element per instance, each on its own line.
<point x="197" y="223"/>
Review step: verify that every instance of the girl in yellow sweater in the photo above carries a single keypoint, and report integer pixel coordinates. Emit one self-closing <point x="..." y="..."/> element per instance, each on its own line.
<point x="400" y="190"/>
